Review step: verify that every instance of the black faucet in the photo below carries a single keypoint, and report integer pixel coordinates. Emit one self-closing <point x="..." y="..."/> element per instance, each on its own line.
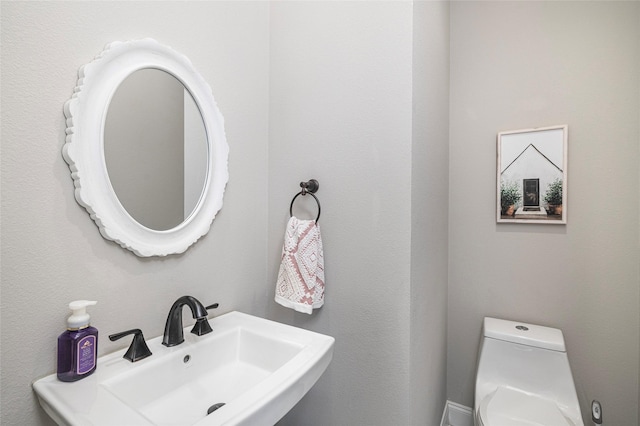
<point x="173" y="334"/>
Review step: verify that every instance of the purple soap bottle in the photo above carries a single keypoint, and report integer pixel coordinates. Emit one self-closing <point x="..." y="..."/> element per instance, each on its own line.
<point x="78" y="346"/>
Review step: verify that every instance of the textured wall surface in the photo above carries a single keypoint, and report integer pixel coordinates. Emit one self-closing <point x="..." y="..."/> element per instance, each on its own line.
<point x="517" y="65"/>
<point x="429" y="212"/>
<point x="52" y="252"/>
<point x="307" y="89"/>
<point x="359" y="101"/>
<point x="356" y="95"/>
<point x="340" y="112"/>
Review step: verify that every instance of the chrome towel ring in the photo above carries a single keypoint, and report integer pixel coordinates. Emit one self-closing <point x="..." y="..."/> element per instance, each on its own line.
<point x="310" y="188"/>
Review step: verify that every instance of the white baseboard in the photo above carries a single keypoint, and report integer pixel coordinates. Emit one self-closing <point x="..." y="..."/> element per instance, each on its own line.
<point x="456" y="415"/>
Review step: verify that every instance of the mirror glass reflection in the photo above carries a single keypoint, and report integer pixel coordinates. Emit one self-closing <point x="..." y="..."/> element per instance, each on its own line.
<point x="155" y="148"/>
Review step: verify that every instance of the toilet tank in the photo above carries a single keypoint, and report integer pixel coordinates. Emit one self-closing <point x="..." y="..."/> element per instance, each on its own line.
<point x="527" y="357"/>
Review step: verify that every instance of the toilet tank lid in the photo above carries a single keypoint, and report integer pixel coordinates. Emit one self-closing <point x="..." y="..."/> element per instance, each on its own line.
<point x="526" y="334"/>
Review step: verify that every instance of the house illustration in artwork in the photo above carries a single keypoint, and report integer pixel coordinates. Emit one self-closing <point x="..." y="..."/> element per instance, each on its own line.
<point x="532" y="172"/>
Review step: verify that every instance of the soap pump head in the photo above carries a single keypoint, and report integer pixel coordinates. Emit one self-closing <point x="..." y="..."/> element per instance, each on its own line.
<point x="80" y="318"/>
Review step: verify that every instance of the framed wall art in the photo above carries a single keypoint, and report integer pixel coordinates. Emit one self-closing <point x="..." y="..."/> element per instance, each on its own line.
<point x="532" y="176"/>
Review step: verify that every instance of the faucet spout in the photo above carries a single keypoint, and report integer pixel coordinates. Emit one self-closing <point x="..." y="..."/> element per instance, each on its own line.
<point x="173" y="334"/>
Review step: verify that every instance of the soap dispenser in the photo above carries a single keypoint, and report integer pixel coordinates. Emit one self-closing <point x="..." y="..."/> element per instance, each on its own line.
<point x="78" y="346"/>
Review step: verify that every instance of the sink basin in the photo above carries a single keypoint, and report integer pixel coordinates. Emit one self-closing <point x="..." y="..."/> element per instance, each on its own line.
<point x="259" y="369"/>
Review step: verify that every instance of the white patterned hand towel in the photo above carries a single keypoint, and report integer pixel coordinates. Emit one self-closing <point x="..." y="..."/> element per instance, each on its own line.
<point x="300" y="284"/>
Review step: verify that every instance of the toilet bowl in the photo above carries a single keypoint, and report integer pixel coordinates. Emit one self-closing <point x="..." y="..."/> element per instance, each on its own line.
<point x="524" y="377"/>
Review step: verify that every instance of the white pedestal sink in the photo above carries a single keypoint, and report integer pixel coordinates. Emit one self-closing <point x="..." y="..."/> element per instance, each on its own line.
<point x="258" y="368"/>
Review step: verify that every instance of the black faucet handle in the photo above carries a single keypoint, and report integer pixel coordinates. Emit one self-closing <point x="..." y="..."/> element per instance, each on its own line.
<point x="138" y="349"/>
<point x="202" y="326"/>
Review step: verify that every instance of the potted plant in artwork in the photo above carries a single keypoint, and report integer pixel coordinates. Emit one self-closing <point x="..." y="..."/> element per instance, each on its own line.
<point x="510" y="196"/>
<point x="553" y="197"/>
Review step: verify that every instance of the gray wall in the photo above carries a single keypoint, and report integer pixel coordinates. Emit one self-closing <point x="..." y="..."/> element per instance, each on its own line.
<point x="52" y="253"/>
<point x="355" y="95"/>
<point x="340" y="112"/>
<point x="144" y="148"/>
<point x="320" y="90"/>
<point x="344" y="79"/>
<point x="517" y="65"/>
<point x="429" y="212"/>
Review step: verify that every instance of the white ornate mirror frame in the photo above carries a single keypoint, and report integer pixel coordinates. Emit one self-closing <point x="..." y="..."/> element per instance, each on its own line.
<point x="86" y="112"/>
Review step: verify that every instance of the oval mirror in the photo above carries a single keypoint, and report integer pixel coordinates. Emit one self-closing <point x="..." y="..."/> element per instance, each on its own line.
<point x="146" y="148"/>
<point x="155" y="144"/>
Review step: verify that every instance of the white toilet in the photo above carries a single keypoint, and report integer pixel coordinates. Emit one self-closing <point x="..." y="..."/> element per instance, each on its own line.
<point x="524" y="377"/>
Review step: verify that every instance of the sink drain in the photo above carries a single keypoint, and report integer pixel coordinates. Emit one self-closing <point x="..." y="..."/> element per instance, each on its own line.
<point x="214" y="407"/>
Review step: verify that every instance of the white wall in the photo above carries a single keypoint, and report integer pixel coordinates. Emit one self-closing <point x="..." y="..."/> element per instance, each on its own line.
<point x="144" y="148"/>
<point x="518" y="65"/>
<point x="52" y="252"/>
<point x="323" y="90"/>
<point x="353" y="94"/>
<point x="429" y="211"/>
<point x="340" y="112"/>
<point x="345" y="77"/>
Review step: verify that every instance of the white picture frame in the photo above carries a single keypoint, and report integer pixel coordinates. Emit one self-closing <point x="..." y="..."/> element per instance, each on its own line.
<point x="532" y="176"/>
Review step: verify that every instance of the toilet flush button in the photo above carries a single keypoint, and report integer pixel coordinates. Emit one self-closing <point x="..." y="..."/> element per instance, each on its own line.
<point x="596" y="412"/>
<point x="522" y="328"/>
